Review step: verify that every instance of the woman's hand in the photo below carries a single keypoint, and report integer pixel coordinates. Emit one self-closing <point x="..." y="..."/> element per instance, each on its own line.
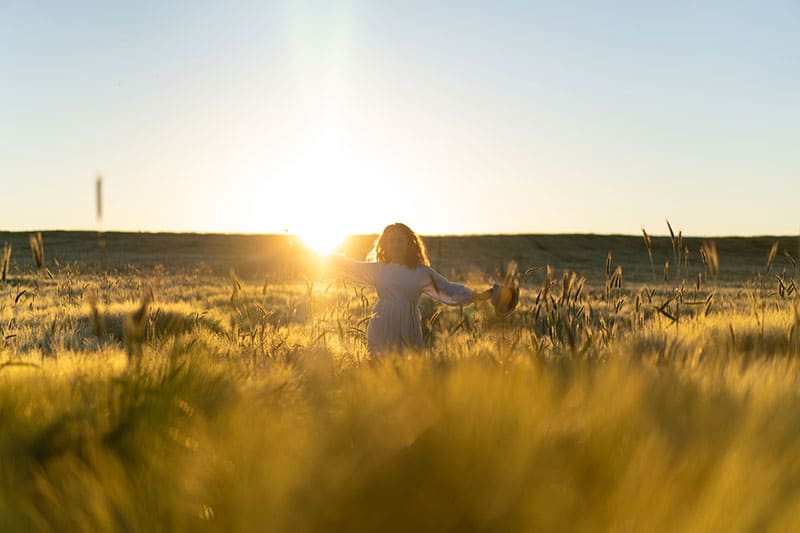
<point x="483" y="295"/>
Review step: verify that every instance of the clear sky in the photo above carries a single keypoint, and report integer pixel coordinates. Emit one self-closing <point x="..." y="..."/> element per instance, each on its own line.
<point x="454" y="117"/>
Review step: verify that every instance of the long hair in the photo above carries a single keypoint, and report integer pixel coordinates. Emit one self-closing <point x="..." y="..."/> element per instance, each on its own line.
<point x="416" y="254"/>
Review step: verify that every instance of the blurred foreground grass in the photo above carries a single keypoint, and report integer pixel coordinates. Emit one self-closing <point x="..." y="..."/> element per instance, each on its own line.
<point x="250" y="405"/>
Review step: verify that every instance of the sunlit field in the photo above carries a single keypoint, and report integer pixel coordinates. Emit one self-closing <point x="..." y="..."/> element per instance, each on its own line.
<point x="192" y="383"/>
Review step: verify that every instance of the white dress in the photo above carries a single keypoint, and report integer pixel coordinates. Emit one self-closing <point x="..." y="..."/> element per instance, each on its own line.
<point x="397" y="323"/>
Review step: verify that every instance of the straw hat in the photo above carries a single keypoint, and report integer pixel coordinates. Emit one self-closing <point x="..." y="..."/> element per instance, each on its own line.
<point x="504" y="298"/>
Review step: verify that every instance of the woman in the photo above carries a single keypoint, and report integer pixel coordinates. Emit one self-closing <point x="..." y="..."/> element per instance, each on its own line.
<point x="399" y="269"/>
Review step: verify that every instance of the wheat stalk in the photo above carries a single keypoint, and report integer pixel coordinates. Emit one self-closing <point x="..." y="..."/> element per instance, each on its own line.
<point x="6" y="260"/>
<point x="677" y="244"/>
<point x="616" y="278"/>
<point x="686" y="260"/>
<point x="708" y="253"/>
<point x="37" y="249"/>
<point x="771" y="257"/>
<point x="98" y="322"/>
<point x="134" y="327"/>
<point x="649" y="245"/>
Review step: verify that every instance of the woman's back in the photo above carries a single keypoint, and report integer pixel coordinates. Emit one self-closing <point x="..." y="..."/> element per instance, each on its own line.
<point x="400" y="274"/>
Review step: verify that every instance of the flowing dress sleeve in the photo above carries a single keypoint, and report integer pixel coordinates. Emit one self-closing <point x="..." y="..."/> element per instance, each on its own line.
<point x="351" y="270"/>
<point x="439" y="288"/>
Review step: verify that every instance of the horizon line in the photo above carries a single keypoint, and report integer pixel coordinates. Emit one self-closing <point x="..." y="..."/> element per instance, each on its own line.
<point x="426" y="235"/>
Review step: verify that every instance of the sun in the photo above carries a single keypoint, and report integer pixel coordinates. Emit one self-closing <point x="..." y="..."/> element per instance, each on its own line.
<point x="322" y="242"/>
<point x="320" y="200"/>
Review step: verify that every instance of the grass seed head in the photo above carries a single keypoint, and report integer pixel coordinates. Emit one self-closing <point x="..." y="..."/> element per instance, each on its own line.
<point x="647" y="242"/>
<point x="6" y="260"/>
<point x="708" y="253"/>
<point x="771" y="257"/>
<point x="37" y="249"/>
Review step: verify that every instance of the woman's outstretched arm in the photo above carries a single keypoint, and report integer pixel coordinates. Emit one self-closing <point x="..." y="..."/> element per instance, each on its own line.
<point x="439" y="288"/>
<point x="340" y="266"/>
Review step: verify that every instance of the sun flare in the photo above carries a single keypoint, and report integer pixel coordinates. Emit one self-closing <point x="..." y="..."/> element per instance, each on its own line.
<point x="323" y="193"/>
<point x="322" y="242"/>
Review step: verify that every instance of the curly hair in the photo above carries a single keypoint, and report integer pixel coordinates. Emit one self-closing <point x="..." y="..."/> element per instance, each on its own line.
<point x="416" y="254"/>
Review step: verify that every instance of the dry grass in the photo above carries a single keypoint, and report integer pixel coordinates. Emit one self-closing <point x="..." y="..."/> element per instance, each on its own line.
<point x="6" y="261"/>
<point x="192" y="401"/>
<point x="37" y="249"/>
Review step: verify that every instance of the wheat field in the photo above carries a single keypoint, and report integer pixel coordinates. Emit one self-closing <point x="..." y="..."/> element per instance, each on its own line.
<point x="143" y="395"/>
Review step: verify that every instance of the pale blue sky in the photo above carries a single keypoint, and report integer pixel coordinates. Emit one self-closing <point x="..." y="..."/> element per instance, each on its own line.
<point x="454" y="117"/>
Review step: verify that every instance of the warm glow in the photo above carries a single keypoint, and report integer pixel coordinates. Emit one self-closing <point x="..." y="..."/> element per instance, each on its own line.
<point x="322" y="193"/>
<point x="338" y="176"/>
<point x="322" y="242"/>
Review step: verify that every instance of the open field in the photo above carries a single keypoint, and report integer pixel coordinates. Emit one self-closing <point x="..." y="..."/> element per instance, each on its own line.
<point x="246" y="401"/>
<point x="258" y="255"/>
